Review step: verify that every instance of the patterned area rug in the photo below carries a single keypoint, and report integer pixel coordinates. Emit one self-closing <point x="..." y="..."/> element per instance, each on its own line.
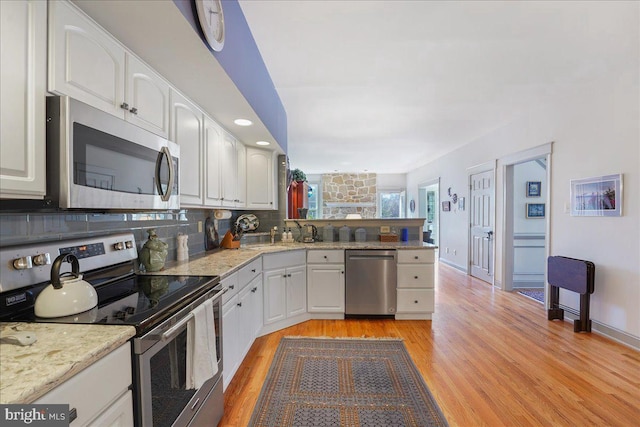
<point x="536" y="294"/>
<point x="344" y="382"/>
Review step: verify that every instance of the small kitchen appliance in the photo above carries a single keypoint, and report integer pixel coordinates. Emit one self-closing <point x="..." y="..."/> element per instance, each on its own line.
<point x="310" y="233"/>
<point x="160" y="307"/>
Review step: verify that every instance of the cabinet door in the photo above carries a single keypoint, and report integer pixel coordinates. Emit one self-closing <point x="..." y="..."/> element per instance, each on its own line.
<point x="229" y="168"/>
<point x="325" y="287"/>
<point x="119" y="414"/>
<point x="257" y="305"/>
<point x="260" y="183"/>
<point x="275" y="296"/>
<point x="241" y="173"/>
<point x="296" y="291"/>
<point x="186" y="131"/>
<point x="85" y="62"/>
<point x="147" y="95"/>
<point x="23" y="55"/>
<point x="230" y="341"/>
<point x="245" y="320"/>
<point x="212" y="140"/>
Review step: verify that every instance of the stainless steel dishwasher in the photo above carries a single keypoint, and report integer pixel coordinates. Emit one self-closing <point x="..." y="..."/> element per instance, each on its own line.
<point x="370" y="282"/>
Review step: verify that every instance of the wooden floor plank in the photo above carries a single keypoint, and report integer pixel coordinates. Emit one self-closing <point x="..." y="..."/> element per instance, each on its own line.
<point x="490" y="358"/>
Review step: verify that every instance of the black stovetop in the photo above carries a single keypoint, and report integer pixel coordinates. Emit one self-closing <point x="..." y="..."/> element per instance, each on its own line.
<point x="137" y="300"/>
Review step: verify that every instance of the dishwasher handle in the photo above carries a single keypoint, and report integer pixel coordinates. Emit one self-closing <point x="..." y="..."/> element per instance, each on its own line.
<point x="369" y="257"/>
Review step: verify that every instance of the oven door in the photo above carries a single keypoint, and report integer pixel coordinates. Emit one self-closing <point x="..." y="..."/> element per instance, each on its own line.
<point x="162" y="397"/>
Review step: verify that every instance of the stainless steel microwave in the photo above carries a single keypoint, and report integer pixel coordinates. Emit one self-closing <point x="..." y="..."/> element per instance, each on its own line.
<point x="99" y="161"/>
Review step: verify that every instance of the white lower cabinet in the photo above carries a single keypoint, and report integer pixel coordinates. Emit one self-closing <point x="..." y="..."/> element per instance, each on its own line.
<point x="325" y="283"/>
<point x="285" y="289"/>
<point x="416" y="295"/>
<point x="241" y="316"/>
<point x="113" y="406"/>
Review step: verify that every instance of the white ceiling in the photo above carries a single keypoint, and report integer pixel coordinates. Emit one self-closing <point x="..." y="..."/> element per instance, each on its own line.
<point x="387" y="86"/>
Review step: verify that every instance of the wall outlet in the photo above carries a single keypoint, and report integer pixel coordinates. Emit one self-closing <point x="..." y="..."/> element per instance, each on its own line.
<point x="455" y="252"/>
<point x="199" y="226"/>
<point x="446" y="250"/>
<point x="385" y="229"/>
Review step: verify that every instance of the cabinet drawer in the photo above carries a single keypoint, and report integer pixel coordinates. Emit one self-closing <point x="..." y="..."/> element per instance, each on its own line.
<point x="416" y="256"/>
<point x="112" y="373"/>
<point x="249" y="271"/>
<point x="283" y="259"/>
<point x="415" y="276"/>
<point x="230" y="282"/>
<point x="415" y="300"/>
<point x="325" y="256"/>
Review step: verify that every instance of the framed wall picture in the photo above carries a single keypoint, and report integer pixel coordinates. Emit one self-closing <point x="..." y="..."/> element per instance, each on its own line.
<point x="461" y="203"/>
<point x="535" y="210"/>
<point x="597" y="196"/>
<point x="446" y="206"/>
<point x="534" y="188"/>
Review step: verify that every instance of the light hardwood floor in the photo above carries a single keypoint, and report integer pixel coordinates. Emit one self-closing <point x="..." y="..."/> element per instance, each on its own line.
<point x="489" y="357"/>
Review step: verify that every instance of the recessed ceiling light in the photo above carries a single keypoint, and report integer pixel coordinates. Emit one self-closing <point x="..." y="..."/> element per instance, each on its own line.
<point x="243" y="122"/>
<point x="263" y="143"/>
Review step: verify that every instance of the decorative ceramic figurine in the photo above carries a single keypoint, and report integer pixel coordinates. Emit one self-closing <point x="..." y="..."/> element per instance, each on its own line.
<point x="154" y="252"/>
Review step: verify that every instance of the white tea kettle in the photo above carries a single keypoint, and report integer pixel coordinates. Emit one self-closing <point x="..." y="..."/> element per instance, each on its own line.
<point x="65" y="296"/>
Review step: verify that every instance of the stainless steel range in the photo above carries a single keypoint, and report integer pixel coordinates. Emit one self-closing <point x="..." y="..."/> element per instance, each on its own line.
<point x="160" y="307"/>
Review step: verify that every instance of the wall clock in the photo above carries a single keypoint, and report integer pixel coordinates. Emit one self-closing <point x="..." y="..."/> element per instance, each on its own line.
<point x="212" y="22"/>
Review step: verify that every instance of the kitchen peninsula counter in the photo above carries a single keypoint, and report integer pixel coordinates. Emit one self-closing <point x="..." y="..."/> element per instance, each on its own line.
<point x="223" y="262"/>
<point x="60" y="352"/>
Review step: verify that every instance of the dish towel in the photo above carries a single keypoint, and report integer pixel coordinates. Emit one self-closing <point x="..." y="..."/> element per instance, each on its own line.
<point x="201" y="346"/>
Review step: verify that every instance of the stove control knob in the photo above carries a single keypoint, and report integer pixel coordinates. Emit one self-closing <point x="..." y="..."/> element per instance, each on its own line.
<point x="128" y="244"/>
<point x="119" y="246"/>
<point x="22" y="263"/>
<point x="41" y="259"/>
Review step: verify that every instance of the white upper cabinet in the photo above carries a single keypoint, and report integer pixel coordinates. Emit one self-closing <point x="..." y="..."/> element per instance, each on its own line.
<point x="212" y="140"/>
<point x="88" y="64"/>
<point x="186" y="131"/>
<point x="260" y="179"/>
<point x="229" y="171"/>
<point x="85" y="62"/>
<point x="241" y="173"/>
<point x="23" y="44"/>
<point x="147" y="97"/>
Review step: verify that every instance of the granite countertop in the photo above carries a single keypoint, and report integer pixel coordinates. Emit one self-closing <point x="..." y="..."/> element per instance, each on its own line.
<point x="60" y="352"/>
<point x="63" y="350"/>
<point x="223" y="262"/>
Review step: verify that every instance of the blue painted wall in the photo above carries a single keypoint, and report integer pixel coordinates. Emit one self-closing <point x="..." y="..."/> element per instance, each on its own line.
<point x="242" y="61"/>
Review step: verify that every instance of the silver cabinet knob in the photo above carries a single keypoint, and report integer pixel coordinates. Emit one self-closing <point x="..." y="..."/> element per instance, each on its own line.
<point x="120" y="246"/>
<point x="22" y="263"/>
<point x="41" y="259"/>
<point x="128" y="244"/>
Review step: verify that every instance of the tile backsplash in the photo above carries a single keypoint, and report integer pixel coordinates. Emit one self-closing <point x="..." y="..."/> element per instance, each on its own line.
<point x="27" y="228"/>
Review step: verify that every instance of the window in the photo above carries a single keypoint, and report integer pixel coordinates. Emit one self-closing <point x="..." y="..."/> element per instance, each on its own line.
<point x="391" y="204"/>
<point x="314" y="201"/>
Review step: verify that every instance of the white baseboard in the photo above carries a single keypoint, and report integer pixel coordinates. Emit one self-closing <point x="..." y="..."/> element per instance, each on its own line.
<point x="612" y="333"/>
<point x="454" y="265"/>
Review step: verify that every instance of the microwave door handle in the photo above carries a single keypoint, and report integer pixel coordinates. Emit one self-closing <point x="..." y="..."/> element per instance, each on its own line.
<point x="167" y="154"/>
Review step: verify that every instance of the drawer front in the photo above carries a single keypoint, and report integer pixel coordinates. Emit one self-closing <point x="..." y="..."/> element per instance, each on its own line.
<point x="415" y="300"/>
<point x="284" y="259"/>
<point x="325" y="256"/>
<point x="415" y="276"/>
<point x="416" y="256"/>
<point x="112" y="373"/>
<point x="230" y="282"/>
<point x="249" y="271"/>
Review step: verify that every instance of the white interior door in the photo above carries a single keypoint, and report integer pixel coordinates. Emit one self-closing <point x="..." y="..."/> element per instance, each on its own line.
<point x="482" y="225"/>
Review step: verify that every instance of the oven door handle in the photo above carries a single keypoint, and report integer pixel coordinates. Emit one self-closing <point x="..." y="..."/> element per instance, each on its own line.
<point x="169" y="333"/>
